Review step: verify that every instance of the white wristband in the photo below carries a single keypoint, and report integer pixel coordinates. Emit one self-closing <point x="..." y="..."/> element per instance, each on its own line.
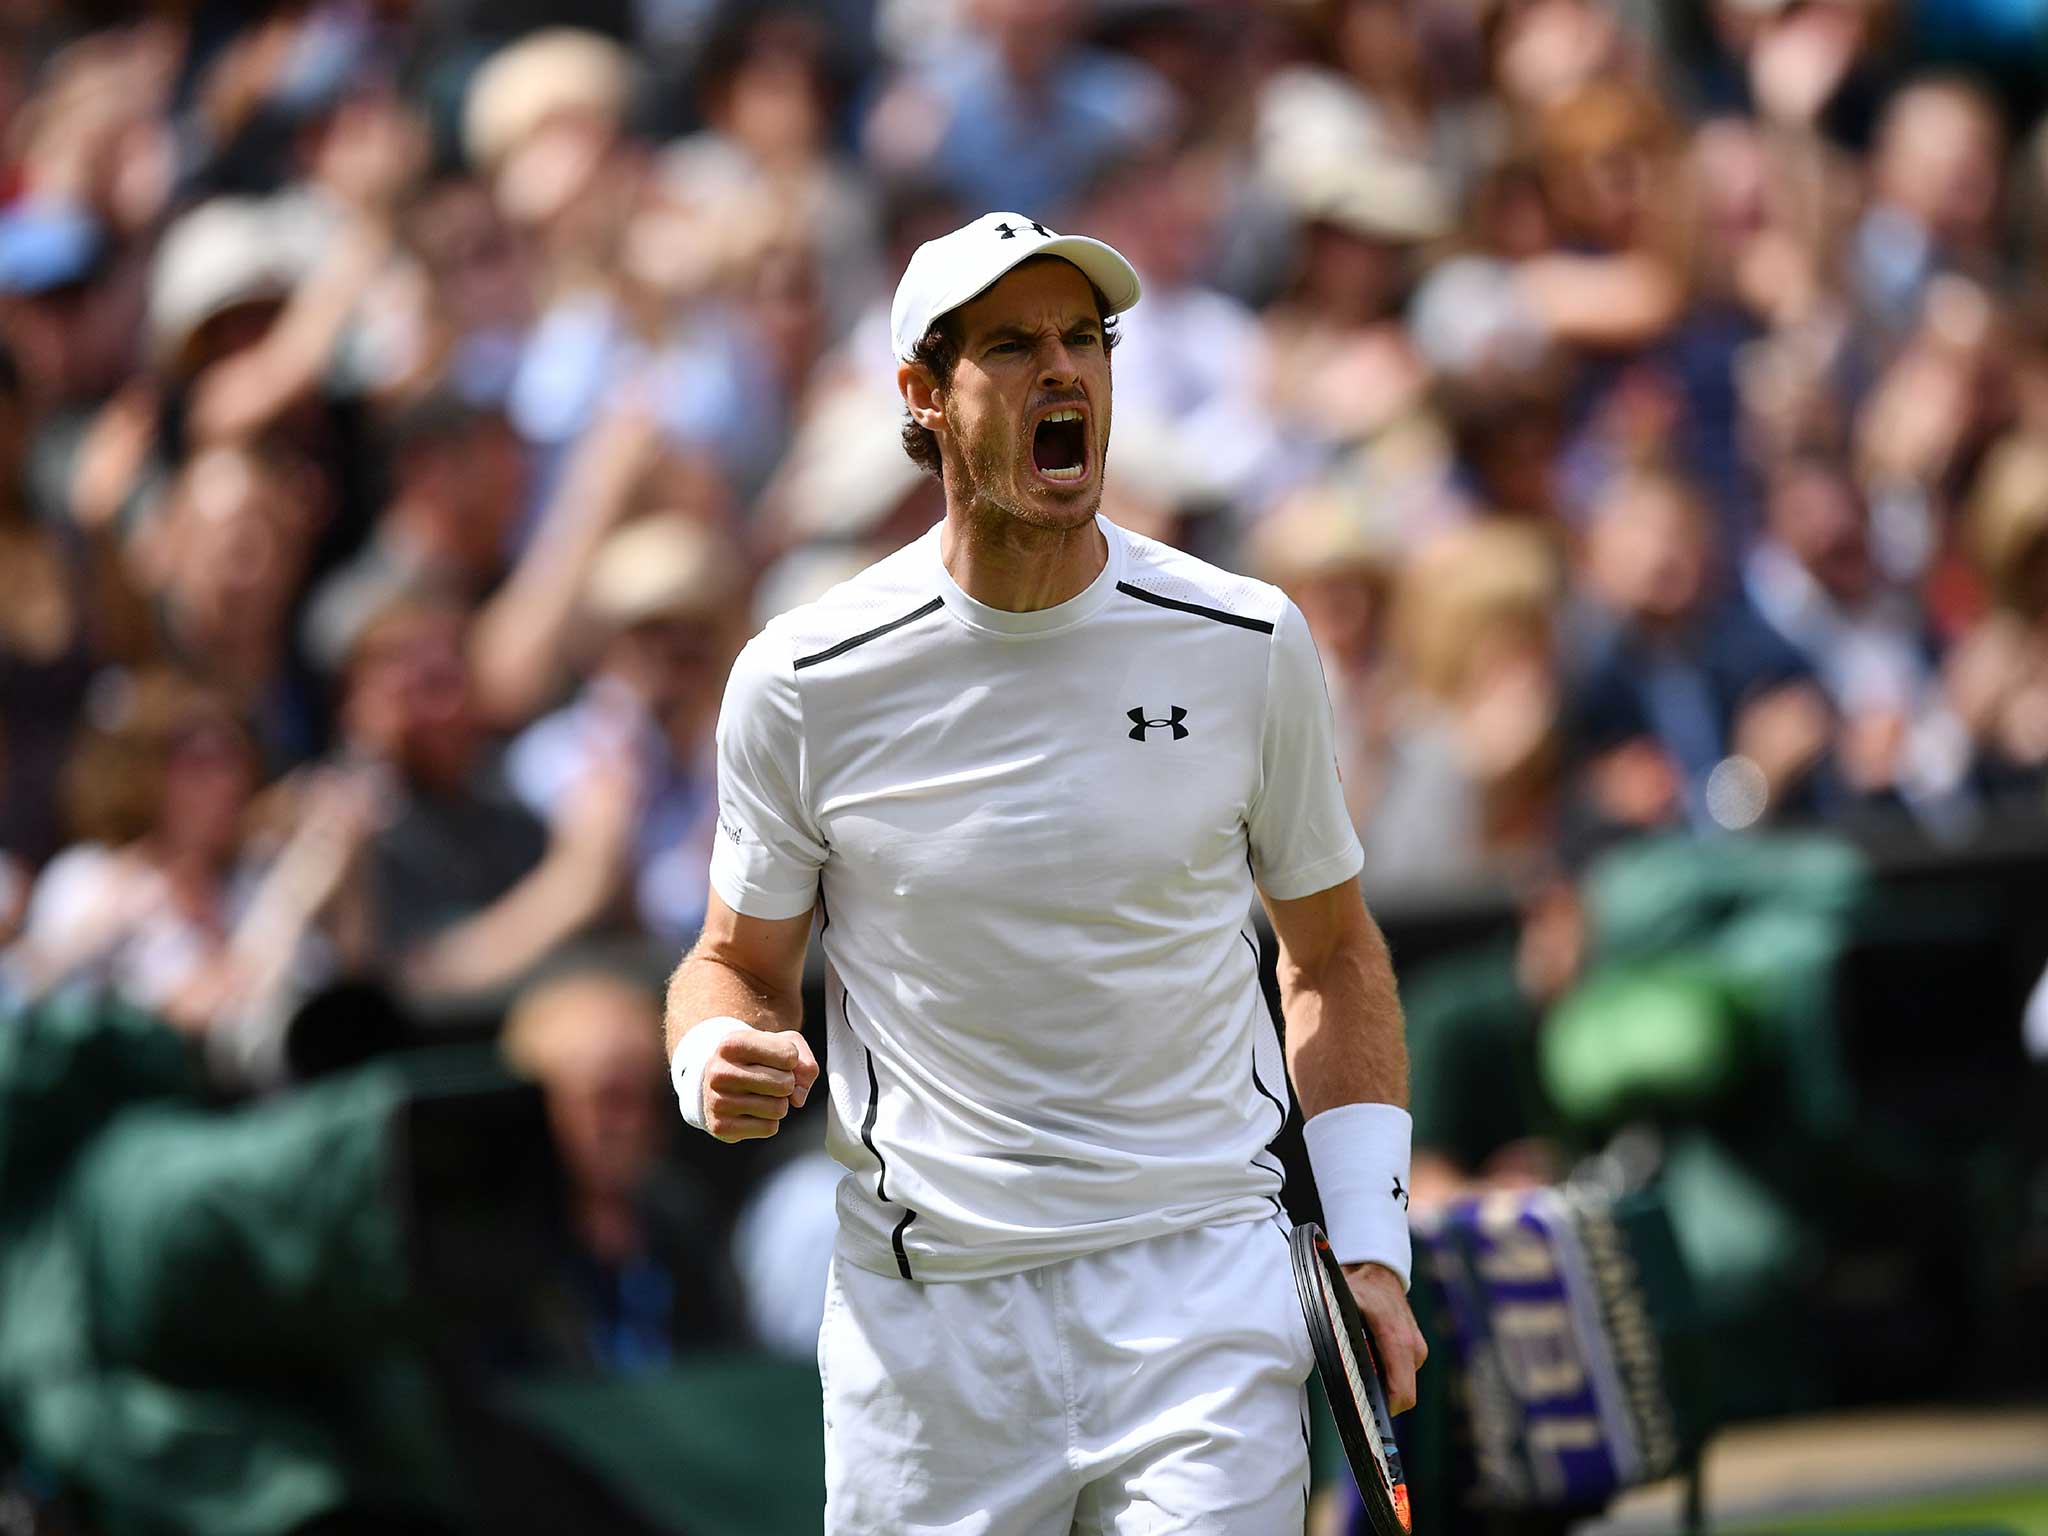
<point x="686" y="1067"/>
<point x="1360" y="1156"/>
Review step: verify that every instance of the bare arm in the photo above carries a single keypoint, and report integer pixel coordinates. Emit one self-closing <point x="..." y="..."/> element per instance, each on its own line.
<point x="577" y="878"/>
<point x="1604" y="301"/>
<point x="372" y="156"/>
<point x="1345" y="1046"/>
<point x="245" y="394"/>
<point x="1344" y="1037"/>
<point x="519" y="643"/>
<point x="750" y="969"/>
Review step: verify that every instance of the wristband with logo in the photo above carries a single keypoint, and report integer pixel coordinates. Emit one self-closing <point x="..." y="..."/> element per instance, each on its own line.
<point x="686" y="1067"/>
<point x="1360" y="1156"/>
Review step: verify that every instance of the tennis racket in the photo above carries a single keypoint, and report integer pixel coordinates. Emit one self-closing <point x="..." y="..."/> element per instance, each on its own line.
<point x="1351" y="1380"/>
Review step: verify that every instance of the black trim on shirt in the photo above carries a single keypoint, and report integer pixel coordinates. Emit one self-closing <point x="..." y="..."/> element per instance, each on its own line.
<point x="1309" y="1455"/>
<point x="867" y="1136"/>
<point x="875" y="634"/>
<point x="1196" y="608"/>
<point x="896" y="1242"/>
<point x="1256" y="1081"/>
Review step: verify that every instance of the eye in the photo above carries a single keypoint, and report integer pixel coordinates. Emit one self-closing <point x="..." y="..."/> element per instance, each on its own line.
<point x="1083" y="339"/>
<point x="1004" y="349"/>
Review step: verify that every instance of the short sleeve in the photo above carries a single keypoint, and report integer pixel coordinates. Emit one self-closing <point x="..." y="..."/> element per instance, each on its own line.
<point x="767" y="853"/>
<point x="1302" y="840"/>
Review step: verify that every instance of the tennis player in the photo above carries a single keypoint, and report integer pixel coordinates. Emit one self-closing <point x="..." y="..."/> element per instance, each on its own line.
<point x="1027" y="773"/>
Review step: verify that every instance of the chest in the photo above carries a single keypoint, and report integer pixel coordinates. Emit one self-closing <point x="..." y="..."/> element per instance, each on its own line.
<point x="1041" y="772"/>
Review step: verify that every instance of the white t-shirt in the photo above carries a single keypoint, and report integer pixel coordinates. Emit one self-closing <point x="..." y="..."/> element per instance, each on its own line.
<point x="1032" y="839"/>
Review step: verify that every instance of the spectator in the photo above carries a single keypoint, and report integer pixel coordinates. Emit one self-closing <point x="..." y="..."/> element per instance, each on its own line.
<point x="1998" y="673"/>
<point x="50" y="253"/>
<point x="1936" y="183"/>
<point x="542" y="123"/>
<point x="1814" y="68"/>
<point x="1507" y="433"/>
<point x="1605" y="160"/>
<point x="164" y="899"/>
<point x="1014" y="114"/>
<point x="1338" y="566"/>
<point x="637" y="1279"/>
<point x="1195" y="368"/>
<point x="1813" y="580"/>
<point x="459" y="313"/>
<point x="543" y="126"/>
<point x="457" y="478"/>
<point x="1472" y="779"/>
<point x="733" y="378"/>
<point x="1673" y="682"/>
<point x="663" y="607"/>
<point x="1372" y="77"/>
<point x="1342" y="366"/>
<point x="469" y="891"/>
<point x="769" y="97"/>
<point x="223" y="560"/>
<point x="520" y="644"/>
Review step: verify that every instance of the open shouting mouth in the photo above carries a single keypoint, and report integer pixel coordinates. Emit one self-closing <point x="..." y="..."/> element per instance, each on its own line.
<point x="1059" y="445"/>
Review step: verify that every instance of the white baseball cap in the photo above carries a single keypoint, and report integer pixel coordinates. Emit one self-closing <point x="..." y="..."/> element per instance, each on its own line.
<point x="945" y="273"/>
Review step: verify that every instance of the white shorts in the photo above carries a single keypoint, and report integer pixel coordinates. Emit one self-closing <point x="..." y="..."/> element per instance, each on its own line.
<point x="1153" y="1387"/>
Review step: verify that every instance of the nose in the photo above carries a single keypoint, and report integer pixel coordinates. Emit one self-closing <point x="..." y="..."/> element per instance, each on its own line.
<point x="1056" y="366"/>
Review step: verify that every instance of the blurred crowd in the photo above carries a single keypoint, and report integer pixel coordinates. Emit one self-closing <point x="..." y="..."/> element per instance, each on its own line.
<point x="408" y="407"/>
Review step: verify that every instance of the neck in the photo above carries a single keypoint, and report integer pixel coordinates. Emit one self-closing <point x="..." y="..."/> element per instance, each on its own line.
<point x="1007" y="563"/>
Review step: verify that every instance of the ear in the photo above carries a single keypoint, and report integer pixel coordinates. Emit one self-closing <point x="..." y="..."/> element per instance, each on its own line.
<point x="921" y="396"/>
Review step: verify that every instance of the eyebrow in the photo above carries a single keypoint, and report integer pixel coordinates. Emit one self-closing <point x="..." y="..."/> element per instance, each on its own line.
<point x="1017" y="331"/>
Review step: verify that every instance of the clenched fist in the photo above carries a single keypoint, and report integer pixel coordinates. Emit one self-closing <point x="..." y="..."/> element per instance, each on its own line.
<point x="754" y="1077"/>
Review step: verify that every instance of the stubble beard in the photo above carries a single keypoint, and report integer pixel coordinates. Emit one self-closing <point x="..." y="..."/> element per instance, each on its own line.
<point x="991" y="477"/>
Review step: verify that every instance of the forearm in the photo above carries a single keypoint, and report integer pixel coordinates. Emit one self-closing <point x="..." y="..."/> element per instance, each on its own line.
<point x="519" y="643"/>
<point x="514" y="933"/>
<point x="1345" y="1040"/>
<point x="708" y="985"/>
<point x="1607" y="302"/>
<point x="245" y="394"/>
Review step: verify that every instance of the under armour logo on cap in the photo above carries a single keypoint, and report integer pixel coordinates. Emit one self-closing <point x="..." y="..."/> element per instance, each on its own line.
<point x="1140" y="725"/>
<point x="954" y="269"/>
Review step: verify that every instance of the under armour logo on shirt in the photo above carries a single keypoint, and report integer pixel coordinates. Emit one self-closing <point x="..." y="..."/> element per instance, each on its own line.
<point x="1140" y="724"/>
<point x="1009" y="233"/>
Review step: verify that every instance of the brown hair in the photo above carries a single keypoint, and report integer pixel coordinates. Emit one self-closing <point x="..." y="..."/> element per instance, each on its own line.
<point x="114" y="782"/>
<point x="2008" y="517"/>
<point x="1462" y="584"/>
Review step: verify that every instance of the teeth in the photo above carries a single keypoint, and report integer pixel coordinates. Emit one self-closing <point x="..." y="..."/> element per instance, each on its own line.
<point x="1071" y="472"/>
<point x="1068" y="414"/>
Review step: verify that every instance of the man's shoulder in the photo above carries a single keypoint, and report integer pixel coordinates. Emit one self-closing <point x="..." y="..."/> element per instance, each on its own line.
<point x="873" y="601"/>
<point x="1179" y="582"/>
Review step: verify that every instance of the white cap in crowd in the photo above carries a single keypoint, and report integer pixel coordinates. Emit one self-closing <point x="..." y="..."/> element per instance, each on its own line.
<point x="947" y="272"/>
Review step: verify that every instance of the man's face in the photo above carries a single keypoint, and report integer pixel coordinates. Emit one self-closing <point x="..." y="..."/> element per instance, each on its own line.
<point x="1818" y="516"/>
<point x="604" y="1095"/>
<point x="1647" y="556"/>
<point x="410" y="701"/>
<point x="1028" y="406"/>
